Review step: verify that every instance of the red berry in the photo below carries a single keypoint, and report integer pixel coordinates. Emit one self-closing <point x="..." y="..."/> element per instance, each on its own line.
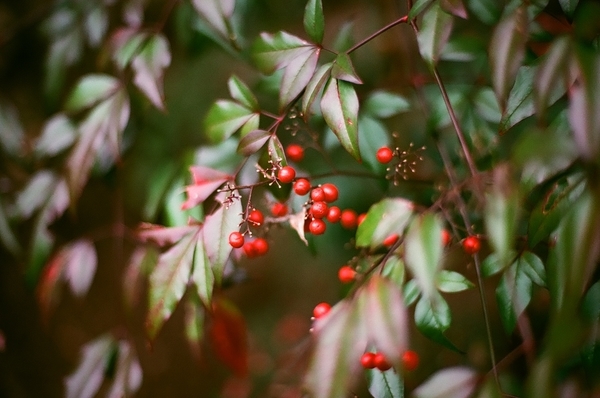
<point x="319" y="209"/>
<point x="301" y="186"/>
<point x="279" y="209"/>
<point x="368" y="360"/>
<point x="380" y="362"/>
<point x="346" y="274"/>
<point x="317" y="194"/>
<point x="317" y="227"/>
<point x="384" y="155"/>
<point x="261" y="246"/>
<point x="471" y="244"/>
<point x="294" y="152"/>
<point x="321" y="310"/>
<point x="331" y="192"/>
<point x="250" y="250"/>
<point x="446" y="237"/>
<point x="256" y="217"/>
<point x="410" y="360"/>
<point x="361" y="217"/>
<point x="348" y="219"/>
<point x="334" y="214"/>
<point x="236" y="239"/>
<point x="390" y="240"/>
<point x="286" y="174"/>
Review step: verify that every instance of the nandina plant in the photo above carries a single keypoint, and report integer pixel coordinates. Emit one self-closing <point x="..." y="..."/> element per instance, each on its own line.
<point x="456" y="184"/>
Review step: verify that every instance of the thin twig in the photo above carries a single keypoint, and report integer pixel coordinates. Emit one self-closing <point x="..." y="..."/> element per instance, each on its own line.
<point x="361" y="43"/>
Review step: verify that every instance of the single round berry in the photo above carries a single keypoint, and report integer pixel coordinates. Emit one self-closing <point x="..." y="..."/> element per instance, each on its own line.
<point x="346" y="274"/>
<point x="384" y="155"/>
<point x="319" y="209"/>
<point x="334" y="214"/>
<point x="367" y="360"/>
<point x="361" y="217"/>
<point x="286" y="174"/>
<point x="256" y="217"/>
<point x="471" y="244"/>
<point x="236" y="240"/>
<point x="321" y="310"/>
<point x="294" y="152"/>
<point x="446" y="237"/>
<point x="279" y="209"/>
<point x="390" y="240"/>
<point x="410" y="360"/>
<point x="317" y="227"/>
<point x="331" y="192"/>
<point x="348" y="219"/>
<point x="317" y="194"/>
<point x="380" y="362"/>
<point x="301" y="186"/>
<point x="250" y="250"/>
<point x="261" y="246"/>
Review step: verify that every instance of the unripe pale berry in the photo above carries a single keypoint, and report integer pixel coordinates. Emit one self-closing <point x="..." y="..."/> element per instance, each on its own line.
<point x="331" y="192"/>
<point x="256" y="217"/>
<point x="321" y="310"/>
<point x="384" y="155"/>
<point x="286" y="174"/>
<point x="346" y="274"/>
<point x="236" y="239"/>
<point x="301" y="186"/>
<point x="471" y="244"/>
<point x="294" y="152"/>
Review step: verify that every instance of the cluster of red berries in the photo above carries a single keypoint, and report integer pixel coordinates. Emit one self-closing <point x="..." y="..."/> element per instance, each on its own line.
<point x="372" y="360"/>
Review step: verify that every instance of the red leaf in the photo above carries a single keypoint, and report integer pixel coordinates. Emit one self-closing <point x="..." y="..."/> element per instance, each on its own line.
<point x="162" y="236"/>
<point x="229" y="336"/>
<point x="206" y="181"/>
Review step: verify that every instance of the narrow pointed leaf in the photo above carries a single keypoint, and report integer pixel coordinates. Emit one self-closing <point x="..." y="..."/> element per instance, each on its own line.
<point x="276" y="151"/>
<point x="387" y="217"/>
<point x="388" y="384"/>
<point x="202" y="274"/>
<point x="225" y="118"/>
<point x="168" y="282"/>
<point x="206" y="181"/>
<point x="455" y="382"/>
<point x="128" y="372"/>
<point x="452" y="282"/>
<point x="80" y="266"/>
<point x="411" y="292"/>
<point x="507" y="49"/>
<point x="344" y="70"/>
<point x="513" y="295"/>
<point x="253" y="141"/>
<point x="373" y="135"/>
<point x="216" y="12"/>
<point x="314" y="20"/>
<point x="418" y="7"/>
<point x="149" y="67"/>
<point x="340" y="111"/>
<point x="433" y="317"/>
<point x="297" y="75"/>
<point x="250" y="125"/>
<point x="240" y="92"/>
<point x="384" y="104"/>
<point x="88" y="377"/>
<point x="552" y="71"/>
<point x="58" y="134"/>
<point x="454" y="7"/>
<point x="7" y="237"/>
<point x="491" y="265"/>
<point x="314" y="86"/>
<point x="275" y="51"/>
<point x="568" y="6"/>
<point x="90" y="90"/>
<point x="434" y="33"/>
<point x="126" y="43"/>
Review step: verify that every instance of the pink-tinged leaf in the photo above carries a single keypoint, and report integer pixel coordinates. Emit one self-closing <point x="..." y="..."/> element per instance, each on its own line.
<point x="225" y="118"/>
<point x="206" y="181"/>
<point x="339" y="344"/>
<point x="125" y="44"/>
<point x="128" y="372"/>
<point x="507" y="49"/>
<point x="90" y="90"/>
<point x="229" y="336"/>
<point x="216" y="12"/>
<point x="58" y="134"/>
<point x="314" y="87"/>
<point x="386" y="318"/>
<point x="141" y="263"/>
<point x="513" y="294"/>
<point x="434" y="33"/>
<point x="240" y="92"/>
<point x="276" y="152"/>
<point x="88" y="377"/>
<point x="149" y="67"/>
<point x="340" y="111"/>
<point x="297" y="75"/>
<point x="169" y="280"/>
<point x="271" y="52"/>
<point x="387" y="217"/>
<point x="253" y="141"/>
<point x="343" y="69"/>
<point x="48" y="287"/>
<point x="195" y="316"/>
<point x="552" y="71"/>
<point x="584" y="106"/>
<point x="314" y="20"/>
<point x="202" y="274"/>
<point x="217" y="227"/>
<point x="80" y="266"/>
<point x="297" y="223"/>
<point x="163" y="236"/>
<point x="35" y="193"/>
<point x="456" y="382"/>
<point x="454" y="7"/>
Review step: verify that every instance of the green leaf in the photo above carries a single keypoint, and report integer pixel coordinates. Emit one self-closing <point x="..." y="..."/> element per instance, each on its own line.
<point x="344" y="70"/>
<point x="271" y="52"/>
<point x="394" y="270"/>
<point x="217" y="227"/>
<point x="374" y="135"/>
<point x="253" y="141"/>
<point x="240" y="92"/>
<point x="384" y="104"/>
<point x="225" y="118"/>
<point x="387" y="217"/>
<point x="314" y="86"/>
<point x="551" y="72"/>
<point x="251" y="125"/>
<point x="418" y="7"/>
<point x="149" y="67"/>
<point x="90" y="90"/>
<point x="454" y="7"/>
<point x="126" y="43"/>
<point x="568" y="6"/>
<point x="388" y="384"/>
<point x="507" y="50"/>
<point x="168" y="282"/>
<point x="433" y="318"/>
<point x="340" y="111"/>
<point x="202" y="274"/>
<point x="7" y="237"/>
<point x="297" y="75"/>
<point x="502" y="214"/>
<point x="520" y="103"/>
<point x="276" y="151"/>
<point x="487" y="106"/>
<point x="488" y="11"/>
<point x="127" y="377"/>
<point x="314" y="21"/>
<point x="423" y="251"/>
<point x="12" y="137"/>
<point x="533" y="267"/>
<point x="217" y="13"/>
<point x="513" y="295"/>
<point x="591" y="303"/>
<point x="452" y="282"/>
<point x="434" y="33"/>
<point x="411" y="292"/>
<point x="205" y="182"/>
<point x="492" y="265"/>
<point x="175" y="210"/>
<point x="343" y="39"/>
<point x="88" y="377"/>
<point x="58" y="134"/>
<point x="455" y="382"/>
